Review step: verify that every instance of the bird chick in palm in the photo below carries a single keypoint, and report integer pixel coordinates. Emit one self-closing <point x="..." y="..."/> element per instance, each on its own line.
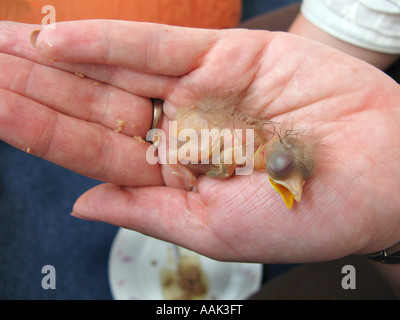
<point x="286" y="157"/>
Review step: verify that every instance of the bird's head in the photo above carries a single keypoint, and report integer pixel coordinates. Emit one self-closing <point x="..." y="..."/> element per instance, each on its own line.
<point x="289" y="163"/>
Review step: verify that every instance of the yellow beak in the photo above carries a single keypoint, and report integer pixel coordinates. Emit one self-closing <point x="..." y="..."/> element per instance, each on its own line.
<point x="289" y="189"/>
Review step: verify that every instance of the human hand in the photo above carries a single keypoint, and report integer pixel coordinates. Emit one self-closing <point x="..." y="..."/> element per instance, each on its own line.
<point x="349" y="206"/>
<point x="78" y="123"/>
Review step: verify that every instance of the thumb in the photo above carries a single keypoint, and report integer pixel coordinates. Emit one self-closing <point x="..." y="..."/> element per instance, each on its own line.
<point x="169" y="214"/>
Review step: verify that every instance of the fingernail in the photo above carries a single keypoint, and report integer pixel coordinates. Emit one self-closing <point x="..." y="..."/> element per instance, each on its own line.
<point x="33" y="37"/>
<point x="77" y="215"/>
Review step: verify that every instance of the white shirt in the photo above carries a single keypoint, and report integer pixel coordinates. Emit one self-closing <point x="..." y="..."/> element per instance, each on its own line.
<point x="369" y="24"/>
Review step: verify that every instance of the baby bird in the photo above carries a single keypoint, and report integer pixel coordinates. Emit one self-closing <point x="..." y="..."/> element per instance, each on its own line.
<point x="287" y="157"/>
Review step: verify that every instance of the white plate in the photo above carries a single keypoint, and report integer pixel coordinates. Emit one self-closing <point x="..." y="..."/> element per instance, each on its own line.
<point x="136" y="261"/>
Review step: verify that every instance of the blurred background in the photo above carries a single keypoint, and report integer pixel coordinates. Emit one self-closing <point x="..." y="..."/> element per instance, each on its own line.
<point x="36" y="196"/>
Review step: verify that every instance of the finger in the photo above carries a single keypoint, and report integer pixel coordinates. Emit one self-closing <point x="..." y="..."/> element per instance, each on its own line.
<point x="15" y="40"/>
<point x="85" y="148"/>
<point x="136" y="82"/>
<point x="170" y="214"/>
<point x="145" y="47"/>
<point x="211" y="222"/>
<point x="78" y="97"/>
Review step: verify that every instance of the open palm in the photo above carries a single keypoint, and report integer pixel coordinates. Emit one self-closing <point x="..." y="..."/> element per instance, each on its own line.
<point x="86" y="124"/>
